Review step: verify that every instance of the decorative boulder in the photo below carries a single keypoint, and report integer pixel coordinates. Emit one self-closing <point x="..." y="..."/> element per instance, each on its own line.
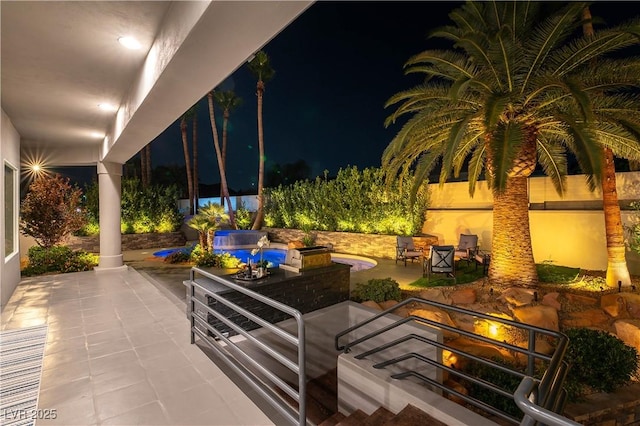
<point x="621" y="304"/>
<point x="435" y="295"/>
<point x="582" y="300"/>
<point x="401" y="312"/>
<point x="464" y="296"/>
<point x="551" y="299"/>
<point x="587" y="318"/>
<point x="436" y="315"/>
<point x="372" y="304"/>
<point x="516" y="296"/>
<point x="629" y="332"/>
<point x="540" y="316"/>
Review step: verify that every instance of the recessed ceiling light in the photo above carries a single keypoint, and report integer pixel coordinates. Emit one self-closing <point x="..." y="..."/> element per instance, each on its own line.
<point x="105" y="106"/>
<point x="130" y="42"/>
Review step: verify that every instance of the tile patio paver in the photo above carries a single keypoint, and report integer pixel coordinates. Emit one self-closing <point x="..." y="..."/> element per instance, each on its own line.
<point x="118" y="353"/>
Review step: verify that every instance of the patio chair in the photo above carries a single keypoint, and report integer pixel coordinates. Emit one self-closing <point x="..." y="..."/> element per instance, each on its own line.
<point x="467" y="247"/>
<point x="440" y="261"/>
<point x="405" y="250"/>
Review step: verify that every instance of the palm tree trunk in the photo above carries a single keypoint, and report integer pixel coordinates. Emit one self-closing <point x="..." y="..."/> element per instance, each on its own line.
<point x="223" y="174"/>
<point x="143" y="167"/>
<point x="210" y="240"/>
<point x="196" y="180"/>
<point x="147" y="159"/>
<point x="617" y="270"/>
<point x="225" y="121"/>
<point x="257" y="224"/>
<point x="187" y="161"/>
<point x="512" y="237"/>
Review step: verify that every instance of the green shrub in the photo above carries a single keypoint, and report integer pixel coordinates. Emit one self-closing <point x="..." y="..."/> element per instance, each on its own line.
<point x="243" y="217"/>
<point x="550" y="273"/>
<point x="633" y="228"/>
<point x="201" y="257"/>
<point x="355" y="201"/>
<point x="379" y="290"/>
<point x="598" y="360"/>
<point x="227" y="261"/>
<point x="143" y="210"/>
<point x="179" y="256"/>
<point x="58" y="259"/>
<point x="506" y="381"/>
<point x="91" y="228"/>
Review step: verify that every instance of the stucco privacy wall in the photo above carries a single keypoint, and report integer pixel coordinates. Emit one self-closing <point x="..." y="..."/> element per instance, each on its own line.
<point x="10" y="155"/>
<point x="568" y="231"/>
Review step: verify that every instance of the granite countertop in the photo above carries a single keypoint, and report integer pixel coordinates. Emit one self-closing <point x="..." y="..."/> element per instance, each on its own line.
<point x="276" y="275"/>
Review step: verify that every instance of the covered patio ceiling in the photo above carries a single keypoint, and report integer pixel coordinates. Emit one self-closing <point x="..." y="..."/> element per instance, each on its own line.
<point x="61" y="59"/>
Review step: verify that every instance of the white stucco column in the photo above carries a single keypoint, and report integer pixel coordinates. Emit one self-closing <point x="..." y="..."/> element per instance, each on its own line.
<point x="109" y="186"/>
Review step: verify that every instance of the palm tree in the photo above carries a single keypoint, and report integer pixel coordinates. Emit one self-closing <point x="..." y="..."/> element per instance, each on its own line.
<point x="216" y="216"/>
<point x="261" y="68"/>
<point x="187" y="159"/>
<point x="228" y="100"/>
<point x="223" y="173"/>
<point x="194" y="138"/>
<point x="202" y="225"/>
<point x="145" y="165"/>
<point x="517" y="91"/>
<point x="617" y="270"/>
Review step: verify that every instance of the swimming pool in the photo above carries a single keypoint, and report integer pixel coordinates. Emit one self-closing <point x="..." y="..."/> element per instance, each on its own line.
<point x="277" y="256"/>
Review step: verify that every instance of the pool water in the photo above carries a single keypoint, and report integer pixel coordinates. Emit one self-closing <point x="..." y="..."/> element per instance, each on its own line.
<point x="277" y="256"/>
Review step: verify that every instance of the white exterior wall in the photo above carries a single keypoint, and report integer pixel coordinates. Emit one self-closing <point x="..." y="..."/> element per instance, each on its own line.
<point x="9" y="154"/>
<point x="574" y="236"/>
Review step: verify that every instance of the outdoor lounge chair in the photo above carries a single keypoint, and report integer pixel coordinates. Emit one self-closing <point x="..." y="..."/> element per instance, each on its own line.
<point x="405" y="250"/>
<point x="440" y="261"/>
<point x="467" y="247"/>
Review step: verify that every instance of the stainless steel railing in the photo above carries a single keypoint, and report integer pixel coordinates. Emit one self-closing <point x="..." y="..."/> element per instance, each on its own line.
<point x="237" y="358"/>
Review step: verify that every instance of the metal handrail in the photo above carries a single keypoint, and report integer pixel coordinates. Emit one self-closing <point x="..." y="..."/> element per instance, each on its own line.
<point x="534" y="412"/>
<point x="547" y="394"/>
<point x="237" y="359"/>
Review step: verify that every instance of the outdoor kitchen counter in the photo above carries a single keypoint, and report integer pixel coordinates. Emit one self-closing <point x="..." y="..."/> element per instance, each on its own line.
<point x="305" y="291"/>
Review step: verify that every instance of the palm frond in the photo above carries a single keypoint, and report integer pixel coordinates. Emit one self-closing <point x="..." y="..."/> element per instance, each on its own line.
<point x="582" y="51"/>
<point x="553" y="158"/>
<point x="476" y="165"/>
<point x="546" y="37"/>
<point x="588" y="152"/>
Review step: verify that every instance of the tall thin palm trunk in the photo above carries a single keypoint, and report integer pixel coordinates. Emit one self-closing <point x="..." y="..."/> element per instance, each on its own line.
<point x="617" y="270"/>
<point x="187" y="160"/>
<point x="225" y="122"/>
<point x="143" y="167"/>
<point x="223" y="174"/>
<point x="196" y="180"/>
<point x="147" y="159"/>
<point x="512" y="236"/>
<point x="257" y="224"/>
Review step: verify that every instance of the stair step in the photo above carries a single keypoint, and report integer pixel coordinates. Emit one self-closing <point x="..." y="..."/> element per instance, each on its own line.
<point x="333" y="420"/>
<point x="329" y="380"/>
<point x="322" y="395"/>
<point x="357" y="418"/>
<point x="410" y="416"/>
<point x="379" y="417"/>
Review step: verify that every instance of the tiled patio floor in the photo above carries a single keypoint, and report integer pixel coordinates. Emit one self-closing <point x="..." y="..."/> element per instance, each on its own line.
<point x="118" y="353"/>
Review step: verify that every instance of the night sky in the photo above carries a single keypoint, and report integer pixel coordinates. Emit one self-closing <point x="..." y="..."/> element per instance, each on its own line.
<point x="335" y="67"/>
